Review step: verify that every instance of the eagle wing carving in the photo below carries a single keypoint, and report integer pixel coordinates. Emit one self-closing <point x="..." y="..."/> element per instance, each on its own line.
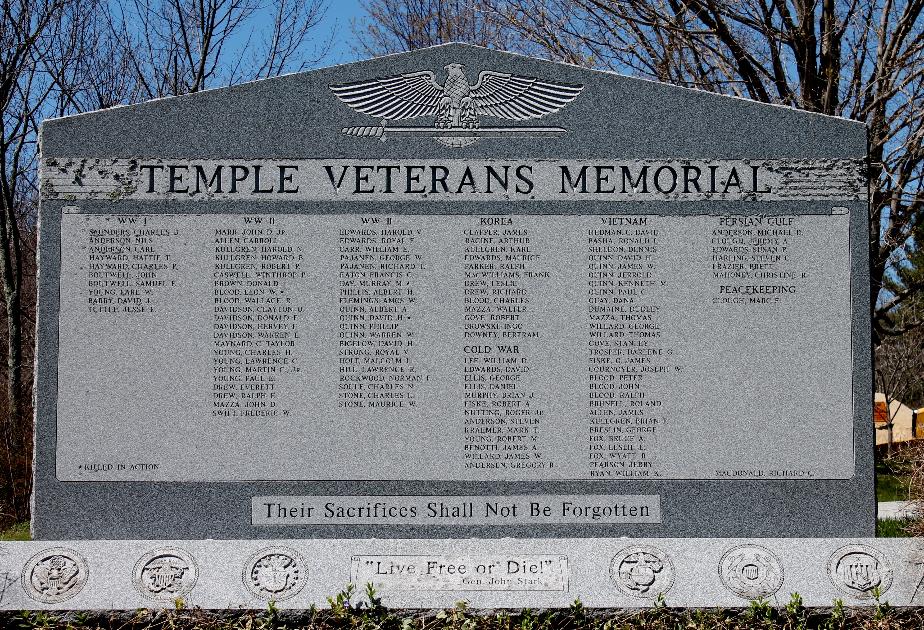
<point x="517" y="97"/>
<point x="393" y="98"/>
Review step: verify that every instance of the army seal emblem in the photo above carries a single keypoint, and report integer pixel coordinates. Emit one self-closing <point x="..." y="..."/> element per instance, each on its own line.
<point x="54" y="575"/>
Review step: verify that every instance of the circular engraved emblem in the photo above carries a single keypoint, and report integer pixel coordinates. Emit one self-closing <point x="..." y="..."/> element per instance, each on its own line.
<point x="857" y="570"/>
<point x="751" y="571"/>
<point x="165" y="574"/>
<point x="275" y="573"/>
<point x="54" y="575"/>
<point x="642" y="571"/>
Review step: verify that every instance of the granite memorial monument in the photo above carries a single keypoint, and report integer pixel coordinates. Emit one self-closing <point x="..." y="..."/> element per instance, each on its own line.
<point x="455" y="321"/>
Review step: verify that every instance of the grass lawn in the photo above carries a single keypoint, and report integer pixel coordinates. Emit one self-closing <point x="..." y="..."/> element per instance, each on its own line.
<point x="892" y="480"/>
<point x="759" y="615"/>
<point x="891" y="487"/>
<point x="892" y="528"/>
<point x="19" y="531"/>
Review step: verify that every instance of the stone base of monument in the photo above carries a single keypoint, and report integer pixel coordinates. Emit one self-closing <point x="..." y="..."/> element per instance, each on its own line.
<point x="501" y="573"/>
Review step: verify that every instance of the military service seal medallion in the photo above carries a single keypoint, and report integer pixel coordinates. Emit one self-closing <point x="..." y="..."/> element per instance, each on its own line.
<point x="751" y="571"/>
<point x="165" y="574"/>
<point x="275" y="573"/>
<point x="54" y="575"/>
<point x="860" y="571"/>
<point x="642" y="571"/>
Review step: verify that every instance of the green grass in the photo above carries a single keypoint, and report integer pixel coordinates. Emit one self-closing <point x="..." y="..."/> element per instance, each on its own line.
<point x="19" y="531"/>
<point x="891" y="487"/>
<point x="759" y="615"/>
<point x="892" y="479"/>
<point x="892" y="528"/>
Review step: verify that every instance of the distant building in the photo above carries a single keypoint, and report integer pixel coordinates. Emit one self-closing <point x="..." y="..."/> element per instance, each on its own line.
<point x="908" y="423"/>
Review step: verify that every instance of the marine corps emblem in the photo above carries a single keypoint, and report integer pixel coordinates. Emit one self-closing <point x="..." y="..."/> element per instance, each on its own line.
<point x="456" y="105"/>
<point x="642" y="571"/>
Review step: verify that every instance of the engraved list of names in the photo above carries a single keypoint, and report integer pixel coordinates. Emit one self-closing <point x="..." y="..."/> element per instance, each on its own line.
<point x="453" y="347"/>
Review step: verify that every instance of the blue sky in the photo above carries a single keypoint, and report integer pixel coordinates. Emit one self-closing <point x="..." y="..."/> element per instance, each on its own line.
<point x="337" y="20"/>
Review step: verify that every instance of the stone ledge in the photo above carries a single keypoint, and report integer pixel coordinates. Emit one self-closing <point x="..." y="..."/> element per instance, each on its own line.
<point x="500" y="573"/>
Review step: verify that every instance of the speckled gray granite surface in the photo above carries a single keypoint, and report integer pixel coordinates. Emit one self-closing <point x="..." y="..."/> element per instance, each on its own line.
<point x="300" y="118"/>
<point x="498" y="573"/>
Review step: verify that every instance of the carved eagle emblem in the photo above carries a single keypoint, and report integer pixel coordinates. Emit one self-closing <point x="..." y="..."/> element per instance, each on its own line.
<point x="456" y="105"/>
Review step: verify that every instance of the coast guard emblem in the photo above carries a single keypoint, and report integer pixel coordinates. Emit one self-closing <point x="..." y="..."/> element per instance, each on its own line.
<point x="751" y="571"/>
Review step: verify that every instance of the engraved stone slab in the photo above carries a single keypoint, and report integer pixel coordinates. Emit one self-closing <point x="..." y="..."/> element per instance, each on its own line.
<point x="540" y="364"/>
<point x="486" y="573"/>
<point x="351" y="303"/>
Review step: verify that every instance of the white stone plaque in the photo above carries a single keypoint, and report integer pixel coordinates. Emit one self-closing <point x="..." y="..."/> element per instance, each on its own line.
<point x="499" y="572"/>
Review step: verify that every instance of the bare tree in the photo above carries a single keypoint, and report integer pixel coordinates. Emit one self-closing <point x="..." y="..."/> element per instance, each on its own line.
<point x="392" y="26"/>
<point x="35" y="36"/>
<point x="861" y="59"/>
<point x="60" y="57"/>
<point x="172" y="47"/>
<point x="898" y="374"/>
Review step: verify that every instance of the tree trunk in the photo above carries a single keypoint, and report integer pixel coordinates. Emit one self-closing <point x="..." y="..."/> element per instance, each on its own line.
<point x="889" y="443"/>
<point x="9" y="247"/>
<point x="14" y="385"/>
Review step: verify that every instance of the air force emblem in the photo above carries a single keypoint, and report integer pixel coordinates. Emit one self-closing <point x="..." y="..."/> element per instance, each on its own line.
<point x="456" y="105"/>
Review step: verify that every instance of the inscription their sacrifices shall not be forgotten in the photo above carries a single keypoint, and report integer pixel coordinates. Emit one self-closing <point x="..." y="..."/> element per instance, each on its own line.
<point x="453" y="293"/>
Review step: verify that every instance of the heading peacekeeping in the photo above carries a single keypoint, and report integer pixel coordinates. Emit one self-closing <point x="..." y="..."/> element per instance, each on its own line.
<point x="542" y="178"/>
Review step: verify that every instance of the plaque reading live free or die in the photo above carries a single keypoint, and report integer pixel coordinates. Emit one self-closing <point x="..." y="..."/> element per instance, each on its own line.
<point x="442" y="294"/>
